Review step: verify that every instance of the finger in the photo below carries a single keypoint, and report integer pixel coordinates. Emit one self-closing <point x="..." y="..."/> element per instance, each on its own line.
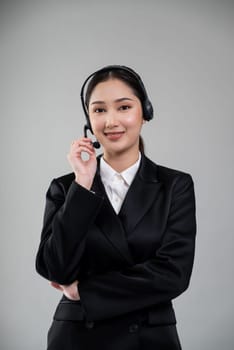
<point x="75" y="282"/>
<point x="77" y="146"/>
<point x="86" y="144"/>
<point x="83" y="141"/>
<point x="80" y="149"/>
<point x="56" y="286"/>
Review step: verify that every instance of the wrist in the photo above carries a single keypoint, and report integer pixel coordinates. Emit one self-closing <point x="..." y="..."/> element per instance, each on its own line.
<point x="84" y="181"/>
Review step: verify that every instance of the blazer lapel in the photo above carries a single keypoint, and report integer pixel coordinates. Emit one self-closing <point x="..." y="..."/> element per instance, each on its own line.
<point x="110" y="224"/>
<point x="143" y="191"/>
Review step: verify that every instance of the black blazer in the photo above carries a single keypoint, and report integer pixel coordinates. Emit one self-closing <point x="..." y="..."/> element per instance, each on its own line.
<point x="141" y="258"/>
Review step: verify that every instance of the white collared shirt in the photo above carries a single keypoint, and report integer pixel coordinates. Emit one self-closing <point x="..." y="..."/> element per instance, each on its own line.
<point x="117" y="184"/>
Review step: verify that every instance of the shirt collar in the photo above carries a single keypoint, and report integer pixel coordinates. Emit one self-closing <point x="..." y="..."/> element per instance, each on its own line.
<point x="107" y="172"/>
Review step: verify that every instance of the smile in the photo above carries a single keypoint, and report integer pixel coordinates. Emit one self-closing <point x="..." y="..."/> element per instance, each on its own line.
<point x="114" y="135"/>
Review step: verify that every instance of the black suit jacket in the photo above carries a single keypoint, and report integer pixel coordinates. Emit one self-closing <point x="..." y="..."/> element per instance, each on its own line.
<point x="138" y="260"/>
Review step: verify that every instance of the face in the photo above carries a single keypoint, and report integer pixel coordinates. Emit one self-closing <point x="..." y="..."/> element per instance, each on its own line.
<point x="116" y="117"/>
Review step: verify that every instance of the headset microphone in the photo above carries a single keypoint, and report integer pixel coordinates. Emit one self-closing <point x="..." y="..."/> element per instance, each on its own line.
<point x="95" y="144"/>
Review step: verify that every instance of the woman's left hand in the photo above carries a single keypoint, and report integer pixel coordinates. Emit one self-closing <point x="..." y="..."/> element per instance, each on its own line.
<point x="70" y="291"/>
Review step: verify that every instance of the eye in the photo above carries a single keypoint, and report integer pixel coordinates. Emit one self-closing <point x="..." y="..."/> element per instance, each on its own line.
<point x="99" y="110"/>
<point x="124" y="107"/>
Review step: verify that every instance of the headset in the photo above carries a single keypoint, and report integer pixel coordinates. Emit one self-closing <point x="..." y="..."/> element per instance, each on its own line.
<point x="147" y="107"/>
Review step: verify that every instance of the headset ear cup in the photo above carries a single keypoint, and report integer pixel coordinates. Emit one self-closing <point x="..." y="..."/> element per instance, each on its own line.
<point x="148" y="110"/>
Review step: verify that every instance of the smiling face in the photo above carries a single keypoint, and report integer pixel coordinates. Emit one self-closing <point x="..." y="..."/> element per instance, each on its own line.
<point x="116" y="117"/>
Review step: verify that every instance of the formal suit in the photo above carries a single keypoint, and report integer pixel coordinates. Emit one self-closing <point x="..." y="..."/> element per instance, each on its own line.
<point x="129" y="266"/>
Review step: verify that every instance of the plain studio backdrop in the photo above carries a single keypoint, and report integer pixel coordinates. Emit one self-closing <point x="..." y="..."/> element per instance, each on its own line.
<point x="183" y="51"/>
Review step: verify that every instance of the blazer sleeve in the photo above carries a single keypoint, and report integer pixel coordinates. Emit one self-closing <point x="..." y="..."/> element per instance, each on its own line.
<point x="63" y="235"/>
<point x="157" y="280"/>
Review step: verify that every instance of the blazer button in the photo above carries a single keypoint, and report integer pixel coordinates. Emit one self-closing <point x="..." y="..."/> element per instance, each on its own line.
<point x="89" y="324"/>
<point x="133" y="328"/>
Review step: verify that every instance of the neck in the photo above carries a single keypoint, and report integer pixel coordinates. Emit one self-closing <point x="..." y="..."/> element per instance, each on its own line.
<point x="122" y="161"/>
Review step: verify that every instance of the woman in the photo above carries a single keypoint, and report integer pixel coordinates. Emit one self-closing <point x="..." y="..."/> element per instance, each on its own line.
<point x="119" y="232"/>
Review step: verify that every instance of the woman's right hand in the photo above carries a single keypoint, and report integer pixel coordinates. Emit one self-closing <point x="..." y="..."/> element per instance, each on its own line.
<point x="84" y="169"/>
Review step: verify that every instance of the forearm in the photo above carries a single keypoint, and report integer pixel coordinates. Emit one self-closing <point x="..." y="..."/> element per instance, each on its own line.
<point x="64" y="232"/>
<point x="143" y="285"/>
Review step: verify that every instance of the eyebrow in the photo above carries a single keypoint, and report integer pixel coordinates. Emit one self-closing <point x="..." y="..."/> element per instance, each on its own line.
<point x="118" y="100"/>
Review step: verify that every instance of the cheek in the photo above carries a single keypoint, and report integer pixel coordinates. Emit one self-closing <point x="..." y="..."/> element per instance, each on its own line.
<point x="135" y="116"/>
<point x="134" y="121"/>
<point x="98" y="127"/>
<point x="96" y="124"/>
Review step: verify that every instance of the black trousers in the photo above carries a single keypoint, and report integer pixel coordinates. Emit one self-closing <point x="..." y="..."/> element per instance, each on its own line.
<point x="129" y="332"/>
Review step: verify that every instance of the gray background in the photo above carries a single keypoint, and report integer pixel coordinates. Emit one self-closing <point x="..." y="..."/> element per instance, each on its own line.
<point x="184" y="52"/>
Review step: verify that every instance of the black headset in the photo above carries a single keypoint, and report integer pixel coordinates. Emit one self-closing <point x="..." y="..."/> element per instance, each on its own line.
<point x="147" y="107"/>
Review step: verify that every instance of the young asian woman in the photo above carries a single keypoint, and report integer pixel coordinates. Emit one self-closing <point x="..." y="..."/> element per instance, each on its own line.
<point x="118" y="235"/>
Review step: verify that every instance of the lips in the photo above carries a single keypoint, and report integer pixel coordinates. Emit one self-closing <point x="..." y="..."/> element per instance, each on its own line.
<point x="114" y="135"/>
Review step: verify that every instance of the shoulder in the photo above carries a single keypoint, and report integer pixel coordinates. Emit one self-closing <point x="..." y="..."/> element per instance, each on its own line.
<point x="65" y="180"/>
<point x="60" y="185"/>
<point x="164" y="174"/>
<point x="177" y="183"/>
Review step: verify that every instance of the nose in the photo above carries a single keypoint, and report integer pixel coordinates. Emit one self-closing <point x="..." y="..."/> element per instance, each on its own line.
<point x="111" y="120"/>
